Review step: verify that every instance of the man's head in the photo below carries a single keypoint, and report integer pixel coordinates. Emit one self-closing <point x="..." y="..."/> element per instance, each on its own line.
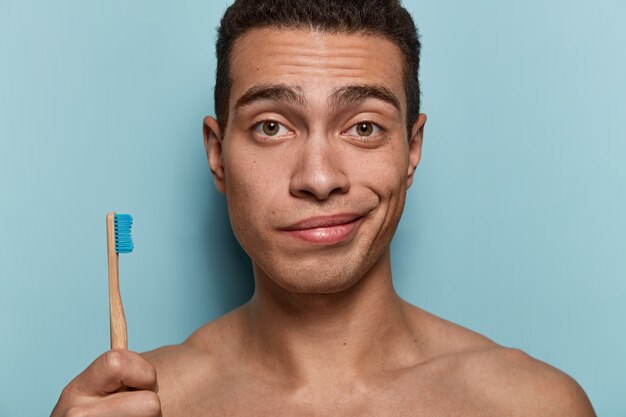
<point x="314" y="158"/>
<point x="386" y="18"/>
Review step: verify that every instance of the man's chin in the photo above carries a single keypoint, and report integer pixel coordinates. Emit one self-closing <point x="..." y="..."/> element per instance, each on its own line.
<point x="317" y="286"/>
<point x="323" y="277"/>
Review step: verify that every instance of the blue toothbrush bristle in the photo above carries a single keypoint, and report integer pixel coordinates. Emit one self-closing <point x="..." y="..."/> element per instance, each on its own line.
<point x="123" y="240"/>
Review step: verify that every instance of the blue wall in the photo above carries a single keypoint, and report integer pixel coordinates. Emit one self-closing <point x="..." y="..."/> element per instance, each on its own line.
<point x="515" y="226"/>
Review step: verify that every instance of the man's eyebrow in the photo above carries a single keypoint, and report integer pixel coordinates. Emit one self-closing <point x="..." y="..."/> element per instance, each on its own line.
<point x="354" y="94"/>
<point x="272" y="92"/>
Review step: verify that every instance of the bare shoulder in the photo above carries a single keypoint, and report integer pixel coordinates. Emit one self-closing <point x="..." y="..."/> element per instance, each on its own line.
<point x="442" y="337"/>
<point x="210" y="341"/>
<point x="179" y="368"/>
<point x="499" y="377"/>
<point x="197" y="364"/>
<point x="523" y="385"/>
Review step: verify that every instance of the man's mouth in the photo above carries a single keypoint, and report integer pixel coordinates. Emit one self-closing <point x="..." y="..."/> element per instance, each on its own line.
<point x="325" y="230"/>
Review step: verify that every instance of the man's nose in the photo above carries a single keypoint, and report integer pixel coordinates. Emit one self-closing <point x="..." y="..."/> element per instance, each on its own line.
<point x="320" y="171"/>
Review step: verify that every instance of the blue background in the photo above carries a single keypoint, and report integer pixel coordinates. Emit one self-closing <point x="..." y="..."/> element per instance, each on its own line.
<point x="515" y="226"/>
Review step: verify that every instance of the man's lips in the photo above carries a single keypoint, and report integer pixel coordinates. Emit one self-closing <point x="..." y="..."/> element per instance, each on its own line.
<point x="322" y="221"/>
<point x="325" y="230"/>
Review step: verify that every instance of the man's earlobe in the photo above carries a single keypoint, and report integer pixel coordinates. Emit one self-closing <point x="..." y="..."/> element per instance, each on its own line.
<point x="213" y="147"/>
<point x="415" y="147"/>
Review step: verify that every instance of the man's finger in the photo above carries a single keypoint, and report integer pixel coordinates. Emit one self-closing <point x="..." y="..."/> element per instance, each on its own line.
<point x="124" y="404"/>
<point x="116" y="369"/>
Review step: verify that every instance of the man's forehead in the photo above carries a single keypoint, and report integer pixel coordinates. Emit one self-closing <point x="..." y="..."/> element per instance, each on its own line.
<point x="304" y="59"/>
<point x="309" y="47"/>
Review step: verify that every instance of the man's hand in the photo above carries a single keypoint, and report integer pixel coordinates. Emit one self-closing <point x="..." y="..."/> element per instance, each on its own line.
<point x="119" y="383"/>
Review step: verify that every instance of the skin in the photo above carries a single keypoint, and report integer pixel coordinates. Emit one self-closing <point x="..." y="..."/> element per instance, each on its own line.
<point x="325" y="332"/>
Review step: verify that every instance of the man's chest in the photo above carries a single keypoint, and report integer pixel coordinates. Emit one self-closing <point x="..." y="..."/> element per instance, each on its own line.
<point x="386" y="401"/>
<point x="400" y="407"/>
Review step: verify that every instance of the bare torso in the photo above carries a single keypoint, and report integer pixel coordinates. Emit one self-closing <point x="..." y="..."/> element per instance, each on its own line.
<point x="463" y="374"/>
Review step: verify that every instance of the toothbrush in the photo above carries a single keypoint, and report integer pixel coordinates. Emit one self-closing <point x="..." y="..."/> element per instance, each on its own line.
<point x="118" y="241"/>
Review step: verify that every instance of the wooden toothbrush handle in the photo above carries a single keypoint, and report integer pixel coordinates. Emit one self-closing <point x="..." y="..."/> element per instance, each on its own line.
<point x="119" y="337"/>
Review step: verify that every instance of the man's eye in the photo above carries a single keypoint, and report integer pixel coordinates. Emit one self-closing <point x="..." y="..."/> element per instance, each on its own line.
<point x="271" y="128"/>
<point x="364" y="129"/>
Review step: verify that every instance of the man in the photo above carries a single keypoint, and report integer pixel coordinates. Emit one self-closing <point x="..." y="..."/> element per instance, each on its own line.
<point x="317" y="138"/>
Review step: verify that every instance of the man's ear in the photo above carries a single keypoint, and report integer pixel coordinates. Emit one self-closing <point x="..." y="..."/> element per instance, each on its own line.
<point x="213" y="147"/>
<point x="415" y="147"/>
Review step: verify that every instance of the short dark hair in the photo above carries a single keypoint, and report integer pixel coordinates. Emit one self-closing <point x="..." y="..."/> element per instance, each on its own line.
<point x="385" y="18"/>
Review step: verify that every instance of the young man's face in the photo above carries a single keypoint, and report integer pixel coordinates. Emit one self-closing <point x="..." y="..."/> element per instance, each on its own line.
<point x="315" y="160"/>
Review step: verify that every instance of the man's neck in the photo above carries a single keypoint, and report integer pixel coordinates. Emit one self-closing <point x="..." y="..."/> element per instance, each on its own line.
<point x="345" y="335"/>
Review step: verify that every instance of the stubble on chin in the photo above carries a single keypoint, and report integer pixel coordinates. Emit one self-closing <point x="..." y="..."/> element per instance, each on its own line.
<point x="320" y="274"/>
